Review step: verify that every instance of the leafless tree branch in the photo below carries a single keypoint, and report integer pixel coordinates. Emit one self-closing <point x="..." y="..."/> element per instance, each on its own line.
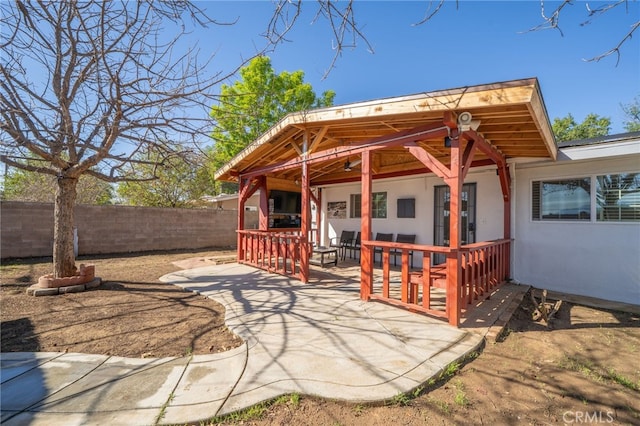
<point x="341" y="19"/>
<point x="550" y="21"/>
<point x="430" y="14"/>
<point x="599" y="11"/>
<point x="79" y="80"/>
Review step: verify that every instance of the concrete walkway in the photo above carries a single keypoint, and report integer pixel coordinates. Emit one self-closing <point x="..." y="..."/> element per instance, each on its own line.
<point x="315" y="339"/>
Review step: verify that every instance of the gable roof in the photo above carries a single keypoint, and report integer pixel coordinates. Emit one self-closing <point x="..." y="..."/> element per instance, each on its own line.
<point x="512" y="116"/>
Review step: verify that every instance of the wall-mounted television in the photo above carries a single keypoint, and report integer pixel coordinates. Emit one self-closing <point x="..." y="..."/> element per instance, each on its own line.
<point x="286" y="202"/>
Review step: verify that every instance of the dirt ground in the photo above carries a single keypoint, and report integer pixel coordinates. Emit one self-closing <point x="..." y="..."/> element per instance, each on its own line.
<point x="585" y="369"/>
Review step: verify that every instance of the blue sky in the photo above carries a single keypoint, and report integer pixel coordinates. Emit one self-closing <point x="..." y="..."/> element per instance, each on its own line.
<point x="480" y="42"/>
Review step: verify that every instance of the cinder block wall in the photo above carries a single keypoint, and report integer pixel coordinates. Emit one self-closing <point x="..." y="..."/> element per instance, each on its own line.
<point x="27" y="229"/>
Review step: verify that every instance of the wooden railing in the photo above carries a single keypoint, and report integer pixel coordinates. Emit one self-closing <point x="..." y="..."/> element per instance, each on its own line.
<point x="481" y="268"/>
<point x="276" y="250"/>
<point x="415" y="286"/>
<point x="484" y="266"/>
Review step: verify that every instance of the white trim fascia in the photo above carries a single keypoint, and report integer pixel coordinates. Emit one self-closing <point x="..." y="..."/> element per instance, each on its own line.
<point x="590" y="152"/>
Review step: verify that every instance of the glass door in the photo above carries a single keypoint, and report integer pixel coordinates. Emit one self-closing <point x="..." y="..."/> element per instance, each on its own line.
<point x="442" y="213"/>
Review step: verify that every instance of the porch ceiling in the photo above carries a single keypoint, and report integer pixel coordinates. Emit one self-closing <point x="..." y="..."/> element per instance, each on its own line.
<point x="512" y="118"/>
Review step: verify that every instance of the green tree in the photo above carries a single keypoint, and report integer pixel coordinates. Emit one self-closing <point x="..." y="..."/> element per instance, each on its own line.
<point x="176" y="181"/>
<point x="632" y="111"/>
<point x="254" y="103"/>
<point x="567" y="129"/>
<point x="22" y="185"/>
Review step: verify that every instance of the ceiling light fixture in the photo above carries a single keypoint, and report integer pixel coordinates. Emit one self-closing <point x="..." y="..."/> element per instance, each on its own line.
<point x="349" y="165"/>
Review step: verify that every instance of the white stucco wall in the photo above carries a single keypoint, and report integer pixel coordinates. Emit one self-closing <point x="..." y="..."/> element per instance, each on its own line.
<point x="489" y="207"/>
<point x="596" y="259"/>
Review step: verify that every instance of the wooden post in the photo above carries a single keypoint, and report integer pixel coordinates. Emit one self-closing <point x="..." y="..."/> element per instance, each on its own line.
<point x="453" y="258"/>
<point x="305" y="220"/>
<point x="505" y="184"/>
<point x="366" y="254"/>
<point x="240" y="249"/>
<point x="263" y="223"/>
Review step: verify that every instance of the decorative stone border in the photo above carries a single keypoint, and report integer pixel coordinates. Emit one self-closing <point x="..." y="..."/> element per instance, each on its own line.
<point x="47" y="285"/>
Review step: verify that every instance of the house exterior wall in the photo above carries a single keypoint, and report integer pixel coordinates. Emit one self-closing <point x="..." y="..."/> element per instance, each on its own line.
<point x="489" y="207"/>
<point x="231" y="202"/>
<point x="596" y="259"/>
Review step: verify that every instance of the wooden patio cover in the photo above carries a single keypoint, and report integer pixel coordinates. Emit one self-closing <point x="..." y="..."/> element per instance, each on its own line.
<point x="397" y="137"/>
<point x="512" y="115"/>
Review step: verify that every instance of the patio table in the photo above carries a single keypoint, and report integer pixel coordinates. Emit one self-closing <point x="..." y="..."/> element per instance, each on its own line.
<point x="331" y="254"/>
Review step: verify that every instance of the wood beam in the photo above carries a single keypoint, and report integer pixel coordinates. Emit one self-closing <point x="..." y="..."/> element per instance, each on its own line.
<point x="248" y="189"/>
<point x="318" y="138"/>
<point x="485" y="147"/>
<point x="305" y="219"/>
<point x="429" y="131"/>
<point x="295" y="147"/>
<point x="263" y="218"/>
<point x="454" y="276"/>
<point x="505" y="181"/>
<point x="428" y="160"/>
<point x="366" y="253"/>
<point x="467" y="158"/>
<point x="450" y="119"/>
<point x="240" y="226"/>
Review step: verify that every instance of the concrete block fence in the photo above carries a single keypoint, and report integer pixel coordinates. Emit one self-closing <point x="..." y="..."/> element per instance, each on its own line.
<point x="26" y="229"/>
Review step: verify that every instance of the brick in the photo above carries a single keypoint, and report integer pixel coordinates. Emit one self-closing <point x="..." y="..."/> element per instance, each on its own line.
<point x="37" y="291"/>
<point x="72" y="289"/>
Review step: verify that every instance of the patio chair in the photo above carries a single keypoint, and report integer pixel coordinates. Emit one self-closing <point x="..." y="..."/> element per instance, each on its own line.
<point x="354" y="247"/>
<point x="346" y="237"/>
<point x="381" y="237"/>
<point x="406" y="239"/>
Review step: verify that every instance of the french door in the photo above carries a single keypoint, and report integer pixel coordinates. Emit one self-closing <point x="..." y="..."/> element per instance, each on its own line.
<point x="442" y="214"/>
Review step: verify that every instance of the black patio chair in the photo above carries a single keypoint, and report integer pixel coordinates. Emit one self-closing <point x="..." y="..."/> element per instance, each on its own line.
<point x="406" y="239"/>
<point x="346" y="238"/>
<point x="381" y="237"/>
<point x="354" y="247"/>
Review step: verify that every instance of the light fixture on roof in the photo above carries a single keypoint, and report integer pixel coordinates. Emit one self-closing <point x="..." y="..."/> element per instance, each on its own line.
<point x="466" y="122"/>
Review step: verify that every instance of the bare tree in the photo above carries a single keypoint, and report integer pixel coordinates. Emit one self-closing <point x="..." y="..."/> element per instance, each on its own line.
<point x="85" y="85"/>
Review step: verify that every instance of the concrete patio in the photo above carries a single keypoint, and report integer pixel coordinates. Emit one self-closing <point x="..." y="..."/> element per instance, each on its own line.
<point x="317" y="339"/>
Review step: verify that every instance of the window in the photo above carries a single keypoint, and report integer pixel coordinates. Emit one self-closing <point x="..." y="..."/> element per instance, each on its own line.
<point x="568" y="199"/>
<point x="378" y="205"/>
<point x="618" y="197"/>
<point x="406" y="207"/>
<point x="355" y="205"/>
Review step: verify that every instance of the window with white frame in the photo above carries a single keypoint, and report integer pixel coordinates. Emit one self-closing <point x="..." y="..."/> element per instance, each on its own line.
<point x="378" y="205"/>
<point x="564" y="199"/>
<point x="618" y="197"/>
<point x="355" y="205"/>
